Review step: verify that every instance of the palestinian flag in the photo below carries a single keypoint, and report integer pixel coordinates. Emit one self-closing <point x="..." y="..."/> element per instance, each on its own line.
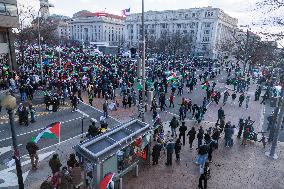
<point x="51" y="131"/>
<point x="205" y="85"/>
<point x="172" y="77"/>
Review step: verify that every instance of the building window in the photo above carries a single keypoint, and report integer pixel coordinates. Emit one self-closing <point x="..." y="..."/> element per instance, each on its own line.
<point x="8" y="9"/>
<point x="193" y="14"/>
<point x="192" y="32"/>
<point x="205" y="39"/>
<point x="207" y="25"/>
<point x="206" y="32"/>
<point x="2" y="8"/>
<point x="178" y="26"/>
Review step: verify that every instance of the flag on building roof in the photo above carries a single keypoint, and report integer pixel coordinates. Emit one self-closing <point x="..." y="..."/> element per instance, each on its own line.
<point x="126" y="12"/>
<point x="51" y="131"/>
<point x="99" y="14"/>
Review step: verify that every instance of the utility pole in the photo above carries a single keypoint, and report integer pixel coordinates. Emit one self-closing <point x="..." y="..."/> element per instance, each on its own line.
<point x="246" y="55"/>
<point x="143" y="61"/>
<point x="280" y="112"/>
<point x="39" y="46"/>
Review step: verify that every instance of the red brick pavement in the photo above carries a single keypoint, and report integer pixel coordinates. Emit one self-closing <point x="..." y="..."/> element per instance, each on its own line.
<point x="232" y="168"/>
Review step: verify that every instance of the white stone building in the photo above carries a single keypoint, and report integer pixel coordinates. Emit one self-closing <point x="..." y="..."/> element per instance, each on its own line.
<point x="98" y="27"/>
<point x="64" y="29"/>
<point x="207" y="26"/>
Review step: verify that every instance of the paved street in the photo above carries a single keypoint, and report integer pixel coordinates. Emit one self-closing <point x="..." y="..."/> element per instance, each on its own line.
<point x="70" y="129"/>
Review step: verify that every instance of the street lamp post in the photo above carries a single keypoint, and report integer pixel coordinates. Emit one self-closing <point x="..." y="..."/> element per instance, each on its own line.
<point x="143" y="61"/>
<point x="82" y="129"/>
<point x="58" y="49"/>
<point x="39" y="46"/>
<point x="280" y="113"/>
<point x="9" y="102"/>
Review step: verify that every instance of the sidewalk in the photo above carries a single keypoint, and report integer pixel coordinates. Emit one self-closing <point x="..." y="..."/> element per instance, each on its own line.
<point x="232" y="168"/>
<point x="36" y="178"/>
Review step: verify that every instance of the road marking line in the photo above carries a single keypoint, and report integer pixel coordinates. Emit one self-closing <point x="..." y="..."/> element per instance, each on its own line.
<point x="100" y="111"/>
<point x="39" y="129"/>
<point x="83" y="113"/>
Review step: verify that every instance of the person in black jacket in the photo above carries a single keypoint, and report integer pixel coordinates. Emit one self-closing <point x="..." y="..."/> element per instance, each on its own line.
<point x="200" y="136"/>
<point x="204" y="174"/>
<point x="32" y="149"/>
<point x="221" y="114"/>
<point x="182" y="131"/>
<point x="191" y="136"/>
<point x="156" y="153"/>
<point x="241" y="127"/>
<point x="178" y="149"/>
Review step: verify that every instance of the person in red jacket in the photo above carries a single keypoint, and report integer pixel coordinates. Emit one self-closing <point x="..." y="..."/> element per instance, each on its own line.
<point x="172" y="97"/>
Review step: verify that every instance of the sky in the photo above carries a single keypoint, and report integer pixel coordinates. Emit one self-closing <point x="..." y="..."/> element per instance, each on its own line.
<point x="240" y="9"/>
<point x="236" y="8"/>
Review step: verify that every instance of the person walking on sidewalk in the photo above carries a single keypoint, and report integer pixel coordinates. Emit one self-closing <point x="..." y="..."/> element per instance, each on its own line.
<point x="173" y="125"/>
<point x="32" y="149"/>
<point x="171" y="99"/>
<point x="247" y="101"/>
<point x="32" y="112"/>
<point x="200" y="136"/>
<point x="91" y="98"/>
<point x="55" y="164"/>
<point x="221" y="114"/>
<point x="76" y="176"/>
<point x="74" y="102"/>
<point x="170" y="150"/>
<point x="241" y="99"/>
<point x="191" y="136"/>
<point x="65" y="179"/>
<point x="234" y="96"/>
<point x="71" y="161"/>
<point x="182" y="131"/>
<point x="226" y="96"/>
<point x="204" y="174"/>
<point x="105" y="109"/>
<point x="156" y="153"/>
<point x="178" y="149"/>
<point x="181" y="113"/>
<point x="241" y="128"/>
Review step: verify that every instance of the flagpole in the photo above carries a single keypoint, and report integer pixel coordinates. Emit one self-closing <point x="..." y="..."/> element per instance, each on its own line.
<point x="59" y="138"/>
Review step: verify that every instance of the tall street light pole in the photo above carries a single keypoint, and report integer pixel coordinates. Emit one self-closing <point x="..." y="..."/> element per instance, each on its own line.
<point x="247" y="55"/>
<point x="280" y="113"/>
<point x="143" y="61"/>
<point x="9" y="102"/>
<point x="39" y="46"/>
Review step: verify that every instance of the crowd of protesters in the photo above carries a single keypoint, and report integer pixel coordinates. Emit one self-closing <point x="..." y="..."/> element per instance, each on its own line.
<point x="106" y="76"/>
